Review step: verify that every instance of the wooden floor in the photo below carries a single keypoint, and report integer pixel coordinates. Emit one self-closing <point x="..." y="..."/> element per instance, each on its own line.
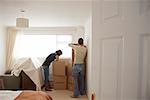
<point x="64" y="95"/>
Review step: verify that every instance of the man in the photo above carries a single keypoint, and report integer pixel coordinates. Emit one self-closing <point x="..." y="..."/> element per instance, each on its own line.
<point x="80" y="52"/>
<point x="46" y="64"/>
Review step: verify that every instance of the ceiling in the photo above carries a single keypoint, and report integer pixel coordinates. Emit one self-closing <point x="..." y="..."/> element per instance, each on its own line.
<point x="45" y="13"/>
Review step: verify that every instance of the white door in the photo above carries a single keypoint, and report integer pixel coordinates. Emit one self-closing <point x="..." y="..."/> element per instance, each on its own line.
<point x="144" y="72"/>
<point x="121" y="49"/>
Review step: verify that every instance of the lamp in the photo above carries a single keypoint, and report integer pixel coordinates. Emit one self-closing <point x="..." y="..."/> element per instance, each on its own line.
<point x="22" y="22"/>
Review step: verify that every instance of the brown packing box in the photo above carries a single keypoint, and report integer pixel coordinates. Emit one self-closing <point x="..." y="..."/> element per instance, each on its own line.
<point x="60" y="85"/>
<point x="70" y="83"/>
<point x="69" y="70"/>
<point x="59" y="68"/>
<point x="60" y="78"/>
<point x="70" y="86"/>
<point x="60" y="82"/>
<point x="70" y="80"/>
<point x="68" y="63"/>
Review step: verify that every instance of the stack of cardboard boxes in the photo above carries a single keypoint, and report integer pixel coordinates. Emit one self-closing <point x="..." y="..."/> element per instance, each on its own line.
<point x="59" y="75"/>
<point x="62" y="74"/>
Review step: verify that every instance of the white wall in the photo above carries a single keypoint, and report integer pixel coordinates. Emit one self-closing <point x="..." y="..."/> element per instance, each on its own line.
<point x="88" y="43"/>
<point x="80" y="32"/>
<point x="2" y="48"/>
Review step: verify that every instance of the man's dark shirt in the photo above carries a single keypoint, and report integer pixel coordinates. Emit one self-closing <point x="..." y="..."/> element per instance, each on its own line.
<point x="49" y="59"/>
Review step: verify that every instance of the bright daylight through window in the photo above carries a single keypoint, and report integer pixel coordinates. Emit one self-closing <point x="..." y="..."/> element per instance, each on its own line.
<point x="43" y="45"/>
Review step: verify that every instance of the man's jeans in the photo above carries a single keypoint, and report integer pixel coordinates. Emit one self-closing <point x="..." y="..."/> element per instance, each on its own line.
<point x="78" y="71"/>
<point x="46" y="74"/>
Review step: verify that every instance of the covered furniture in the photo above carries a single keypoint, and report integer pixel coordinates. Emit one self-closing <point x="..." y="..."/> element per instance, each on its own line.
<point x="21" y="82"/>
<point x="25" y="75"/>
<point x="1" y="84"/>
<point x="26" y="82"/>
<point x="32" y="69"/>
<point x="11" y="82"/>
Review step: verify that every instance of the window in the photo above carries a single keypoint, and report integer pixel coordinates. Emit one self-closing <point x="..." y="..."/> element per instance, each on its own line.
<point x="43" y="45"/>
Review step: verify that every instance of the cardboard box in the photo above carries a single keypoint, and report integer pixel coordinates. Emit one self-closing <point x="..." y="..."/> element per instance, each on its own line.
<point x="70" y="83"/>
<point x="70" y="80"/>
<point x="59" y="68"/>
<point x="68" y="63"/>
<point x="60" y="82"/>
<point x="70" y="86"/>
<point x="69" y="70"/>
<point x="60" y="79"/>
<point x="60" y="85"/>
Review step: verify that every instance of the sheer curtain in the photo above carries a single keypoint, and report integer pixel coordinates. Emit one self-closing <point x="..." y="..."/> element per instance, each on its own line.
<point x="17" y="46"/>
<point x="10" y="42"/>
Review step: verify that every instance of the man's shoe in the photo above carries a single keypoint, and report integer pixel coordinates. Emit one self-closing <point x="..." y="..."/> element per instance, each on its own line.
<point x="48" y="89"/>
<point x="72" y="96"/>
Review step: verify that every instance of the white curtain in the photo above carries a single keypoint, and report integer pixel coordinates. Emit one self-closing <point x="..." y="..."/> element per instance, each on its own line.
<point x="10" y="42"/>
<point x="17" y="47"/>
